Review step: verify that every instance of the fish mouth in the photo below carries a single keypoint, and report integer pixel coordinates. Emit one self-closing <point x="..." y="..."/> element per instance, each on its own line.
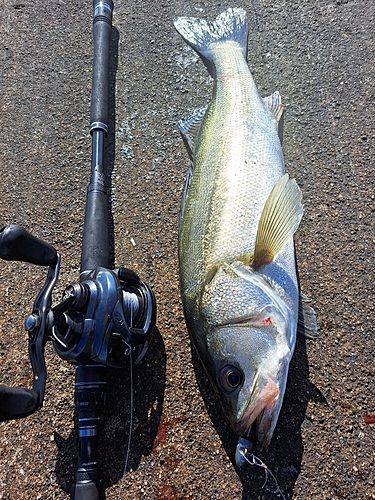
<point x="262" y="409"/>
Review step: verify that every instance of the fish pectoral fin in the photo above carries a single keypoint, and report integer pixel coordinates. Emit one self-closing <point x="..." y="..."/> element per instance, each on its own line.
<point x="280" y="218"/>
<point x="307" y="324"/>
<point x="189" y="129"/>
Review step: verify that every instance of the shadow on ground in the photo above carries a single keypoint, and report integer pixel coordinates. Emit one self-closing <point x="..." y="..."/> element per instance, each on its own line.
<point x="149" y="387"/>
<point x="284" y="455"/>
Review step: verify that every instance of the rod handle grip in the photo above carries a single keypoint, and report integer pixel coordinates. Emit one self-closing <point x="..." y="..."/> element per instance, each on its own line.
<point x="87" y="490"/>
<point x="102" y="32"/>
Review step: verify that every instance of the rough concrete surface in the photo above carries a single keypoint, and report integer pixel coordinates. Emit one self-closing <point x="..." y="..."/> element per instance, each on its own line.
<point x="320" y="56"/>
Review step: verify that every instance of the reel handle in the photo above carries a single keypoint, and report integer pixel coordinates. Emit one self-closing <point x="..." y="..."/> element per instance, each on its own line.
<point x="18" y="244"/>
<point x="17" y="402"/>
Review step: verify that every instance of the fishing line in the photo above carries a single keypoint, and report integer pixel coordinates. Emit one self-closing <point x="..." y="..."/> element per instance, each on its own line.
<point x="131" y="420"/>
<point x="254" y="460"/>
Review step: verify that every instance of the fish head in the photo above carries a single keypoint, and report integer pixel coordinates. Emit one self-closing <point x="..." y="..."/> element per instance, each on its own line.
<point x="250" y="378"/>
<point x="250" y="336"/>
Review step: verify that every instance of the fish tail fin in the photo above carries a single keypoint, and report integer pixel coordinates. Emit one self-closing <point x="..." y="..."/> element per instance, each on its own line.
<point x="200" y="34"/>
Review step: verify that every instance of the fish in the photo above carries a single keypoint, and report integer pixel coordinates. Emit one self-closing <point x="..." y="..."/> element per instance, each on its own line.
<point x="239" y="212"/>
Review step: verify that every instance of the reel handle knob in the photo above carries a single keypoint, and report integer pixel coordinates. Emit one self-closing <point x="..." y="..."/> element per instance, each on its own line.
<point x="17" y="402"/>
<point x="18" y="244"/>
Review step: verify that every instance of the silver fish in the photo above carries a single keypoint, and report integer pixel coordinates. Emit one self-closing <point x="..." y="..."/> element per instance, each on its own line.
<point x="239" y="213"/>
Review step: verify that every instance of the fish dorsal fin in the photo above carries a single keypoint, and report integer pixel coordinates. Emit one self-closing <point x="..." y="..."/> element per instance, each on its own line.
<point x="273" y="103"/>
<point x="280" y="218"/>
<point x="189" y="129"/>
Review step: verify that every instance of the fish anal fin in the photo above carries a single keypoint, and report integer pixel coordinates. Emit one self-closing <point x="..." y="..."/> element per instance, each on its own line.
<point x="189" y="129"/>
<point x="280" y="218"/>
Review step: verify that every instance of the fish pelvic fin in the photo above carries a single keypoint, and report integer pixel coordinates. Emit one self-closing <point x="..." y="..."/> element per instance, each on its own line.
<point x="200" y="34"/>
<point x="280" y="218"/>
<point x="307" y="324"/>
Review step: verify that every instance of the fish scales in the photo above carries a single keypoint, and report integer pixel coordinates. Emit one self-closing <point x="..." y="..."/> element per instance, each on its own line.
<point x="238" y="160"/>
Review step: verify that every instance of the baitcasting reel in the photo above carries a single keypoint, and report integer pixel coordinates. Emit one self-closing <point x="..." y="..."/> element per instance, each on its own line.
<point x="100" y="320"/>
<point x="103" y="317"/>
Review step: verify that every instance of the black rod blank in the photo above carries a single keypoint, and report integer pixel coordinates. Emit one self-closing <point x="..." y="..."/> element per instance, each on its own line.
<point x="95" y="242"/>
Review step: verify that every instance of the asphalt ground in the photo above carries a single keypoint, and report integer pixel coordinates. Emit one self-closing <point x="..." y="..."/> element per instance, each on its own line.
<point x="320" y="56"/>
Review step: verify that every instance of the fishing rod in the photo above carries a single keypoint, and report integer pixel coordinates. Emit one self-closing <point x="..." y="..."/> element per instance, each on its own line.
<point x="104" y="320"/>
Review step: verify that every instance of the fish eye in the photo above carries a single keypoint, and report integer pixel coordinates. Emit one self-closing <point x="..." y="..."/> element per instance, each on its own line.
<point x="230" y="378"/>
